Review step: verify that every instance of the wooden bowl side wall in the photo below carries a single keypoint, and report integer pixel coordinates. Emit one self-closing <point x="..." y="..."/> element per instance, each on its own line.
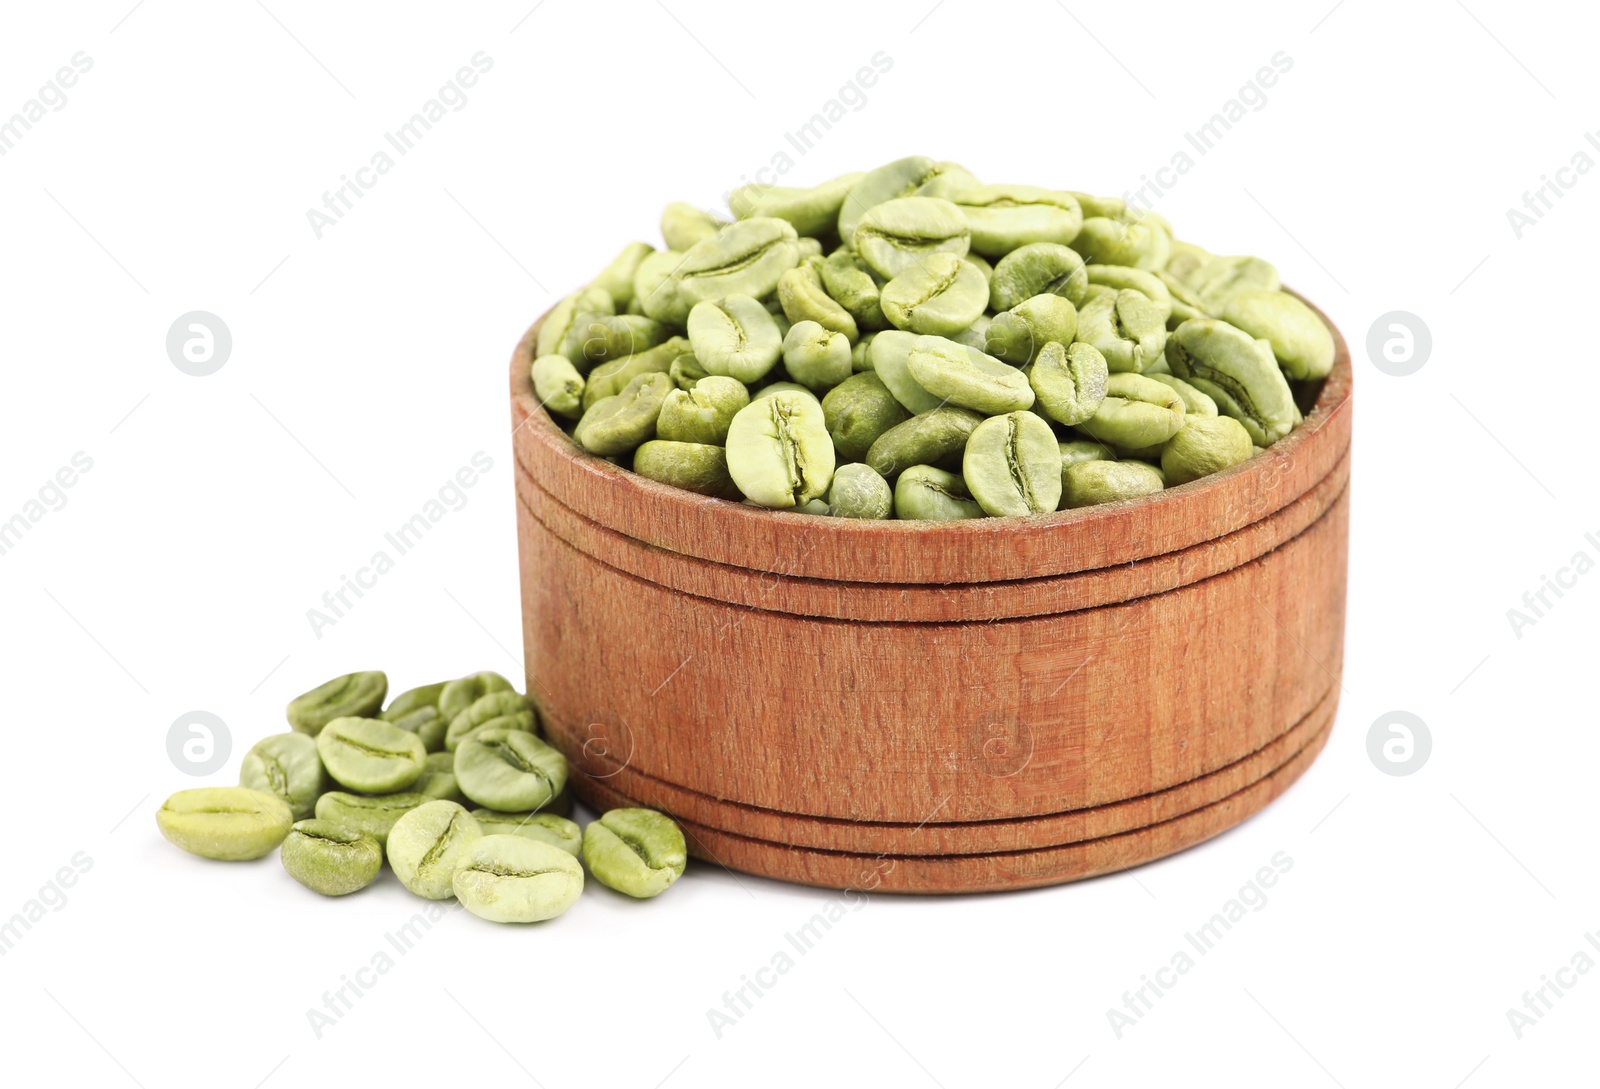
<point x="907" y="722"/>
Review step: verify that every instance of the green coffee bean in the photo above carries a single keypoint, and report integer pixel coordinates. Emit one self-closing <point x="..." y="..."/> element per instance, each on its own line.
<point x="227" y="823"/>
<point x="358" y="694"/>
<point x="1203" y="446"/>
<point x="1080" y="450"/>
<point x="1039" y="268"/>
<point x="893" y="236"/>
<point x="1104" y="207"/>
<point x="1019" y="334"/>
<point x="1186" y="258"/>
<point x="371" y="755"/>
<point x="682" y="225"/>
<point x="1137" y="412"/>
<point x="975" y="335"/>
<point x="692" y="466"/>
<point x="933" y="495"/>
<point x="428" y="843"/>
<point x="1239" y="373"/>
<point x="941" y="294"/>
<point x="1135" y="241"/>
<point x="966" y="377"/>
<point x="413" y="699"/>
<point x="509" y="770"/>
<point x="1089" y="482"/>
<point x="502" y="709"/>
<point x="1127" y="327"/>
<point x="510" y="879"/>
<point x="858" y="353"/>
<point x="780" y="387"/>
<point x="859" y="492"/>
<point x="810" y="211"/>
<point x="656" y="289"/>
<point x="636" y="851"/>
<point x="542" y="827"/>
<point x="734" y="336"/>
<point x="329" y="858"/>
<point x="1004" y="217"/>
<point x="428" y="725"/>
<point x="617" y="424"/>
<point x="597" y="338"/>
<point x="779" y="451"/>
<point x="888" y="357"/>
<point x="286" y="765"/>
<point x="945" y="179"/>
<point x="617" y="277"/>
<point x="848" y="281"/>
<point x="703" y="412"/>
<point x="686" y="371"/>
<point x="1077" y="450"/>
<point x="1012" y="465"/>
<point x="1182" y="312"/>
<point x="912" y="176"/>
<point x="1195" y="403"/>
<point x="810" y="254"/>
<point x="417" y="711"/>
<point x="558" y="385"/>
<point x="1123" y="278"/>
<point x="1185" y="303"/>
<point x="581" y="303"/>
<point x="801" y="295"/>
<point x="370" y="815"/>
<point x="1301" y="343"/>
<point x="859" y="410"/>
<point x="936" y="437"/>
<point x="438" y="778"/>
<point x="744" y="258"/>
<point x="457" y="695"/>
<point x="1221" y="278"/>
<point x="816" y="357"/>
<point x="612" y="377"/>
<point x="1069" y="382"/>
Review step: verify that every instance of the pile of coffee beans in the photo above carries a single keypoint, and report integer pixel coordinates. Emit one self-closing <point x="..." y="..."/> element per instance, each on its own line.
<point x="913" y="343"/>
<point x="355" y="783"/>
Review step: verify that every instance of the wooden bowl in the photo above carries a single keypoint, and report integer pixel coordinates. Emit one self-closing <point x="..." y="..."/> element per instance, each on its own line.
<point x="989" y="704"/>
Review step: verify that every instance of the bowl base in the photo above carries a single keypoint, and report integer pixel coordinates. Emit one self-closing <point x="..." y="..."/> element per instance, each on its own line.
<point x="899" y="869"/>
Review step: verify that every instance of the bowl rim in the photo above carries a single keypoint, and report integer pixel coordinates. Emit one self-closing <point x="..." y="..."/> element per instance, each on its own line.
<point x="889" y="550"/>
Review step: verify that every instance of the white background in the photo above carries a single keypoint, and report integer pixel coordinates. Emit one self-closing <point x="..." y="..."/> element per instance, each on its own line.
<point x="370" y="364"/>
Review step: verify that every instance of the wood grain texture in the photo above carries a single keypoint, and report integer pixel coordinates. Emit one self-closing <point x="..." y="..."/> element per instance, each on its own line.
<point x="998" y="703"/>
